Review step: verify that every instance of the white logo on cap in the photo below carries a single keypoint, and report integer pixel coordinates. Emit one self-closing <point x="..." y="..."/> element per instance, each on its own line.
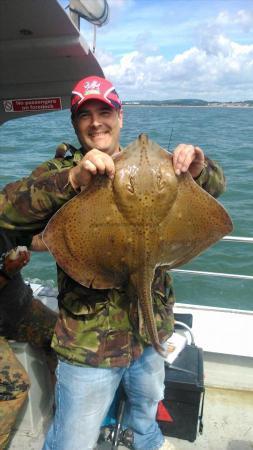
<point x="92" y="87"/>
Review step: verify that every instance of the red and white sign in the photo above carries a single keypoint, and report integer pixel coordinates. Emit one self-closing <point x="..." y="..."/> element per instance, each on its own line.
<point x="33" y="104"/>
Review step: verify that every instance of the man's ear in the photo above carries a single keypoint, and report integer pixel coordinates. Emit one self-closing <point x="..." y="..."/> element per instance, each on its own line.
<point x="74" y="124"/>
<point x="121" y="118"/>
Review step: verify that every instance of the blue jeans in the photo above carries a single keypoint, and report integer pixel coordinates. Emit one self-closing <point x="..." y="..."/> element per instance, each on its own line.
<point x="84" y="396"/>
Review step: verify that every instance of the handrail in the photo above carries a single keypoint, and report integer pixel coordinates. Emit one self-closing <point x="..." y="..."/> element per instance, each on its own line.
<point x="247" y="240"/>
<point x="213" y="274"/>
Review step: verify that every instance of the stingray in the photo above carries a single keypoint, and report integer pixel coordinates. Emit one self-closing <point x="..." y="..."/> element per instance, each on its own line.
<point x="117" y="232"/>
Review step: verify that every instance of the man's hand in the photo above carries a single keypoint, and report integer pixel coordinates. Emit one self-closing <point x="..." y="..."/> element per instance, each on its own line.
<point x="93" y="163"/>
<point x="187" y="157"/>
<point x="13" y="261"/>
<point x="37" y="244"/>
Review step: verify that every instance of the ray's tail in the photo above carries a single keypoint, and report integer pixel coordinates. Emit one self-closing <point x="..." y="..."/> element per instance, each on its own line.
<point x="142" y="284"/>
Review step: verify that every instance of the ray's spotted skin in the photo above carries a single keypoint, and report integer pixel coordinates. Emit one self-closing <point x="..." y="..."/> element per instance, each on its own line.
<point x="145" y="217"/>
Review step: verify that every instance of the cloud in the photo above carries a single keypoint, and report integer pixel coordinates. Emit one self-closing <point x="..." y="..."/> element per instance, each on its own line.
<point x="171" y="49"/>
<point x="220" y="69"/>
<point x="120" y="4"/>
<point x="242" y="18"/>
<point x="144" y="42"/>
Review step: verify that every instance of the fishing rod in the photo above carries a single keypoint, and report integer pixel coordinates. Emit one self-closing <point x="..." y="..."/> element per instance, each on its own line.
<point x="170" y="138"/>
<point x="172" y="129"/>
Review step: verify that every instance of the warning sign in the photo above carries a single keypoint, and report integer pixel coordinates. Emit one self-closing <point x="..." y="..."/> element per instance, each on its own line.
<point x="33" y="104"/>
<point x="162" y="413"/>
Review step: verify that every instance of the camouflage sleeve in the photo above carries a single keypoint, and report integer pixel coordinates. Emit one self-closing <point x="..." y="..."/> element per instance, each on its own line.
<point x="27" y="205"/>
<point x="212" y="178"/>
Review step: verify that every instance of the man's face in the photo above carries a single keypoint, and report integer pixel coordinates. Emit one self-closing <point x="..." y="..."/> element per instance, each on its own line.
<point x="97" y="125"/>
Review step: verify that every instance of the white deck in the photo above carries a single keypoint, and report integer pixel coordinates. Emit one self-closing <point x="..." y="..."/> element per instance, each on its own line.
<point x="227" y="425"/>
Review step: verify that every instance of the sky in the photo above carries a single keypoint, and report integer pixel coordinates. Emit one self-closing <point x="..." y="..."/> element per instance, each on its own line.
<point x="174" y="49"/>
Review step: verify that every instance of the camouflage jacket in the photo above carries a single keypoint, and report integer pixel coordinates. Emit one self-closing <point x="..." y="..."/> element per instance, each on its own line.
<point x="95" y="327"/>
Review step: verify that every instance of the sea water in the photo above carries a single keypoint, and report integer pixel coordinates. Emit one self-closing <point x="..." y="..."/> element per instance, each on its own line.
<point x="225" y="134"/>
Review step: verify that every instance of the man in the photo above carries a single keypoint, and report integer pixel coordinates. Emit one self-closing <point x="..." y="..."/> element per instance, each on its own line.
<point x="24" y="319"/>
<point x="96" y="336"/>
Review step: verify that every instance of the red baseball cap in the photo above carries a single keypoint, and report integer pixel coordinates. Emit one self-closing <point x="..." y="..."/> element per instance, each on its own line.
<point x="96" y="88"/>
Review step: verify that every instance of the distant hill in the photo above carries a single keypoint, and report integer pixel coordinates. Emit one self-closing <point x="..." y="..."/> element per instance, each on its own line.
<point x="183" y="102"/>
<point x="187" y="102"/>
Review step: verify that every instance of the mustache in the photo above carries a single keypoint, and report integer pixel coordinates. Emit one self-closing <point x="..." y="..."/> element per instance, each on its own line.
<point x="98" y="129"/>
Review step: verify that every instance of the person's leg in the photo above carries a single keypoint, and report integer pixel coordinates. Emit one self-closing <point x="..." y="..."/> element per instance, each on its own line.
<point x="144" y="385"/>
<point x="37" y="328"/>
<point x="14" y="385"/>
<point x="37" y="325"/>
<point x="83" y="398"/>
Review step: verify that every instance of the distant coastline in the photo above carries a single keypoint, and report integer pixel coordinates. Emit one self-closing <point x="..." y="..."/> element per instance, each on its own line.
<point x="189" y="103"/>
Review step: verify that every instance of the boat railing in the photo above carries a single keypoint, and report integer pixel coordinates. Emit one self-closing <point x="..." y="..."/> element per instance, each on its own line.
<point x="247" y="240"/>
<point x="52" y="292"/>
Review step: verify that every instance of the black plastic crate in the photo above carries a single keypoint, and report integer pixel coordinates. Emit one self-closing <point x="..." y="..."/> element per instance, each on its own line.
<point x="180" y="413"/>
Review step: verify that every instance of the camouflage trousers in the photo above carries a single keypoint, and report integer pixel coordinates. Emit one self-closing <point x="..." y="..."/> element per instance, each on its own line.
<point x="36" y="328"/>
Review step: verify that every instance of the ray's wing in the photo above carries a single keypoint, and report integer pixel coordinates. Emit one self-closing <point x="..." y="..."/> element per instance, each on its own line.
<point x="195" y="221"/>
<point x="88" y="237"/>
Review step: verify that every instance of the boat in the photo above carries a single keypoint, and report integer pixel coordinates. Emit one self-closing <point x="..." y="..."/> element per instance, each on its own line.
<point x="41" y="39"/>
